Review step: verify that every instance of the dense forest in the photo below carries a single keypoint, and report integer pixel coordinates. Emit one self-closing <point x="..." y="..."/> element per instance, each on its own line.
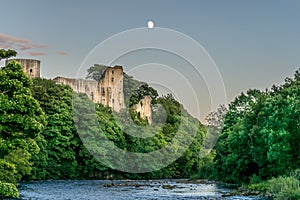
<point x="259" y="141"/>
<point x="43" y="137"/>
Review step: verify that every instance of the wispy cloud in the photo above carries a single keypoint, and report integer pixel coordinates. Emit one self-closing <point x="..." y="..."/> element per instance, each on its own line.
<point x="11" y="42"/>
<point x="37" y="53"/>
<point x="63" y="53"/>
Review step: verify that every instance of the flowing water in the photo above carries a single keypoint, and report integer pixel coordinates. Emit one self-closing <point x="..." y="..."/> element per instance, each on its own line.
<point x="122" y="190"/>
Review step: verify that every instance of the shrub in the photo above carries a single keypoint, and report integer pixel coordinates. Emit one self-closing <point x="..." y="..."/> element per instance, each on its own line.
<point x="285" y="188"/>
<point x="262" y="186"/>
<point x="7" y="172"/>
<point x="255" y="179"/>
<point x="8" y="190"/>
<point x="282" y="188"/>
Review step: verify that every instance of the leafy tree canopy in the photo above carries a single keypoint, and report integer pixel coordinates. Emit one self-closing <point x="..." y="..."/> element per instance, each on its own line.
<point x="261" y="134"/>
<point x="96" y="72"/>
<point x="21" y="121"/>
<point x="5" y="54"/>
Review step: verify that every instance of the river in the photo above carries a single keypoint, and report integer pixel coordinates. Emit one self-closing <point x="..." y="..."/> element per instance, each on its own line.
<point x="122" y="190"/>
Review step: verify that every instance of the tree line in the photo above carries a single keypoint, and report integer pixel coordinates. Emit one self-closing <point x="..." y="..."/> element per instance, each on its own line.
<point x="259" y="141"/>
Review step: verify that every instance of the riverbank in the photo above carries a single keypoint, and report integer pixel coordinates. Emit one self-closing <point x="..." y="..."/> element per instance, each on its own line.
<point x="235" y="190"/>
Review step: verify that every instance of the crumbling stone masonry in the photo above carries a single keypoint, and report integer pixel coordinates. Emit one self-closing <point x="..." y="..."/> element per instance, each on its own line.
<point x="108" y="91"/>
<point x="143" y="107"/>
<point x="30" y="66"/>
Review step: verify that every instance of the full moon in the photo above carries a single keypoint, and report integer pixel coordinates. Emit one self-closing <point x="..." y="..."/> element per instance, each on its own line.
<point x="150" y="24"/>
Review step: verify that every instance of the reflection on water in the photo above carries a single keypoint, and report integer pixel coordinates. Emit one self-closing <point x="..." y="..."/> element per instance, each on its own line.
<point x="121" y="190"/>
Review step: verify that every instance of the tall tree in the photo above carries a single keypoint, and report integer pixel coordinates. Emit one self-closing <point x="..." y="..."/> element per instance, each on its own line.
<point x="96" y="72"/>
<point x="21" y="121"/>
<point x="57" y="158"/>
<point x="141" y="92"/>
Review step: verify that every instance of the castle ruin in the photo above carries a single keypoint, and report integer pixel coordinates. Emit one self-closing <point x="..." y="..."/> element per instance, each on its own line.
<point x="30" y="66"/>
<point x="108" y="91"/>
<point x="143" y="107"/>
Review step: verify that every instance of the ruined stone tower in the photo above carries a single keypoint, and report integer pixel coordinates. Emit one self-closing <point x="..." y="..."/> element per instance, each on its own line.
<point x="108" y="91"/>
<point x="111" y="88"/>
<point x="30" y="66"/>
<point x="143" y="107"/>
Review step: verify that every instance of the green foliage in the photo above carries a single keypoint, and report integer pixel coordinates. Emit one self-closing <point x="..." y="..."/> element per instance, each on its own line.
<point x="285" y="188"/>
<point x="260" y="186"/>
<point x="205" y="170"/>
<point x="162" y="134"/>
<point x="20" y="159"/>
<point x="121" y="135"/>
<point x="141" y="92"/>
<point x="261" y="134"/>
<point x="296" y="173"/>
<point x="282" y="188"/>
<point x="215" y="121"/>
<point x="130" y="85"/>
<point x="40" y="161"/>
<point x="135" y="98"/>
<point x="8" y="171"/>
<point x="288" y="194"/>
<point x="254" y="179"/>
<point x="21" y="116"/>
<point x="63" y="153"/>
<point x="8" y="190"/>
<point x="57" y="158"/>
<point x="96" y="72"/>
<point x="5" y="54"/>
<point x="21" y="121"/>
<point x="85" y="118"/>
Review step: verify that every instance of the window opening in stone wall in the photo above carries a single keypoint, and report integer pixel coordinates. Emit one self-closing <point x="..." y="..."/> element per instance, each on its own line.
<point x="30" y="70"/>
<point x="112" y="79"/>
<point x="92" y="96"/>
<point x="86" y="88"/>
<point x="109" y="93"/>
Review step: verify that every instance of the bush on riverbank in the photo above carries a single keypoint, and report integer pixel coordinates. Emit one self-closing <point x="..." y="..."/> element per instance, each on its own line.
<point x="282" y="188"/>
<point x="8" y="190"/>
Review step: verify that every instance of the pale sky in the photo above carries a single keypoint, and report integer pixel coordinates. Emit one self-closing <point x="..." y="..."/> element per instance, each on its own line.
<point x="254" y="44"/>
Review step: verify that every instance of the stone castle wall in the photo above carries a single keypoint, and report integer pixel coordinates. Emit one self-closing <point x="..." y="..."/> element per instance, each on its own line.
<point x="89" y="87"/>
<point x="111" y="88"/>
<point x="144" y="108"/>
<point x="108" y="91"/>
<point x="30" y="66"/>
